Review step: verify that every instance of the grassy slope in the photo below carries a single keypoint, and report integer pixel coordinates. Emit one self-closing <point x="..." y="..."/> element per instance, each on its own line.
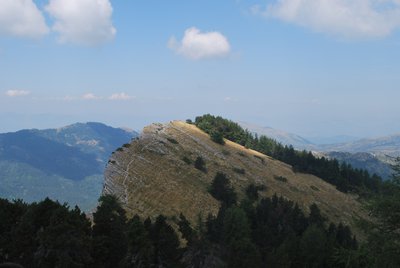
<point x="150" y="176"/>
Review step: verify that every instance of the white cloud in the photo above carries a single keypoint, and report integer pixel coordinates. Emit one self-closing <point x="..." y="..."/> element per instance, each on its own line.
<point x="197" y="45"/>
<point x="86" y="22"/>
<point x="90" y="96"/>
<point x="344" y="18"/>
<point x="17" y="93"/>
<point x="120" y="96"/>
<point x="21" y="18"/>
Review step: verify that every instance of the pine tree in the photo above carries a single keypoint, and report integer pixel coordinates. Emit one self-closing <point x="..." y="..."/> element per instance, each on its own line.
<point x="109" y="233"/>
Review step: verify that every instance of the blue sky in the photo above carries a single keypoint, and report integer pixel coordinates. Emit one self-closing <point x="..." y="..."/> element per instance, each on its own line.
<point x="315" y="68"/>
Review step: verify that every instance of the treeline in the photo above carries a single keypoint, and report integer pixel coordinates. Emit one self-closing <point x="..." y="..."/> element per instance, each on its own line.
<point x="343" y="176"/>
<point x="257" y="232"/>
<point x="271" y="232"/>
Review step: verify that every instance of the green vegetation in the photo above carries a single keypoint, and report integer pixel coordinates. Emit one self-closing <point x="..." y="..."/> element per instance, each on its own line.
<point x="252" y="191"/>
<point x="314" y="188"/>
<point x="187" y="160"/>
<point x="280" y="178"/>
<point x="171" y="140"/>
<point x="217" y="137"/>
<point x="200" y="164"/>
<point x="343" y="176"/>
<point x="271" y="232"/>
<point x="239" y="170"/>
<point x="222" y="190"/>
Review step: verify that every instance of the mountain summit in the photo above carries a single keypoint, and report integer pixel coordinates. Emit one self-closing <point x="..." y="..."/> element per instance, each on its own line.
<point x="160" y="173"/>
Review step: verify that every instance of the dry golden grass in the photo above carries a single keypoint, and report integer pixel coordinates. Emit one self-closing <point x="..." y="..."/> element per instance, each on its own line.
<point x="150" y="177"/>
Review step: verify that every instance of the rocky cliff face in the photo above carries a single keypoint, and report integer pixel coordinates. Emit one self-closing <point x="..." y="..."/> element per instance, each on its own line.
<point x="155" y="174"/>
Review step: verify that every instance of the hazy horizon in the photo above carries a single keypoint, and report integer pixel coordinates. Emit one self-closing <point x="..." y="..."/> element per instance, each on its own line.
<point x="302" y="67"/>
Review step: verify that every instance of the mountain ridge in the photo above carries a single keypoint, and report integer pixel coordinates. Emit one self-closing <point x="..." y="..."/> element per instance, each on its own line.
<point x="66" y="164"/>
<point x="155" y="174"/>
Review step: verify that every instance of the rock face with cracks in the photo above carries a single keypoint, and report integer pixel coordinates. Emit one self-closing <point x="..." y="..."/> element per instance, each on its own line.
<point x="155" y="174"/>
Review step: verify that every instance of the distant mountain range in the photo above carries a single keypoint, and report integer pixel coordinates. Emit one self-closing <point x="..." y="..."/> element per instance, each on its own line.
<point x="281" y="136"/>
<point x="65" y="163"/>
<point x="373" y="154"/>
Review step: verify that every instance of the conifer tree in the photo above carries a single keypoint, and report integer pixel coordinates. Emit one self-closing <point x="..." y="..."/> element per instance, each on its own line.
<point x="109" y="233"/>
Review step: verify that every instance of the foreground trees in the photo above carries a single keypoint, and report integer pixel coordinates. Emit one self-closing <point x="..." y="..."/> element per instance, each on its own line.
<point x="271" y="232"/>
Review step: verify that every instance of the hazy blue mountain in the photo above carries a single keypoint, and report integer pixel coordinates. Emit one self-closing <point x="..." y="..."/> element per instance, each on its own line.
<point x="65" y="164"/>
<point x="281" y="136"/>
<point x="368" y="161"/>
<point x="389" y="145"/>
<point x="320" y="140"/>
<point x="372" y="154"/>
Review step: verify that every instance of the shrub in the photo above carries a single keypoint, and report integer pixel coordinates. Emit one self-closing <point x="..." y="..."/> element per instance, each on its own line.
<point x="200" y="164"/>
<point x="187" y="160"/>
<point x="222" y="190"/>
<point x="314" y="188"/>
<point x="280" y="178"/>
<point x="217" y="137"/>
<point x="239" y="170"/>
<point x="172" y="140"/>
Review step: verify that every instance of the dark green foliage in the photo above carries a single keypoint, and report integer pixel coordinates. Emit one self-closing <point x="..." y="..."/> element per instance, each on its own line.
<point x="313" y="247"/>
<point x="237" y="239"/>
<point x="383" y="247"/>
<point x="44" y="234"/>
<point x="280" y="178"/>
<point x="109" y="233"/>
<point x="172" y="140"/>
<point x="314" y="188"/>
<point x="276" y="233"/>
<point x="200" y="164"/>
<point x="120" y="149"/>
<point x="315" y="217"/>
<point x="222" y="190"/>
<point x="65" y="242"/>
<point x="217" y="137"/>
<point x="252" y="191"/>
<point x="187" y="160"/>
<point x="343" y="176"/>
<point x="140" y="248"/>
<point x="239" y="170"/>
<point x="186" y="230"/>
<point x="273" y="232"/>
<point x="126" y="145"/>
<point x="165" y="243"/>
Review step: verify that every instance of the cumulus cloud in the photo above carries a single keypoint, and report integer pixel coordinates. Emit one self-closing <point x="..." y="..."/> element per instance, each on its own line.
<point x="21" y="18"/>
<point x="197" y="45"/>
<point x="120" y="96"/>
<point x="90" y="96"/>
<point x="344" y="18"/>
<point x="17" y="93"/>
<point x="86" y="22"/>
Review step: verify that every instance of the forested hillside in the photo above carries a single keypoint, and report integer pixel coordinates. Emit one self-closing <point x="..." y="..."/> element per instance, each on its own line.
<point x="343" y="176"/>
<point x="66" y="164"/>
